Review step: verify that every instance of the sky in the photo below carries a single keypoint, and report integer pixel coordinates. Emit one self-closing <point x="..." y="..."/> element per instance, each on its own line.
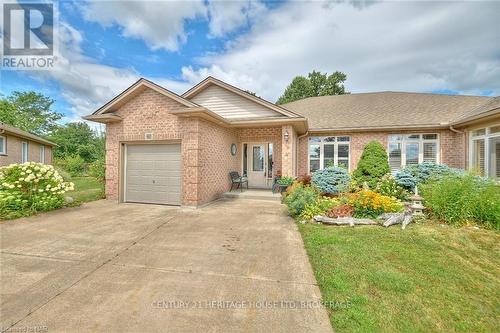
<point x="420" y="46"/>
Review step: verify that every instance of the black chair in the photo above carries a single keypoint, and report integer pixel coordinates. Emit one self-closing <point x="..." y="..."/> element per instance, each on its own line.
<point x="238" y="180"/>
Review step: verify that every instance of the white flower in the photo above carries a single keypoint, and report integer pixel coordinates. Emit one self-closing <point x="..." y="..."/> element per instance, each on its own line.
<point x="28" y="171"/>
<point x="40" y="190"/>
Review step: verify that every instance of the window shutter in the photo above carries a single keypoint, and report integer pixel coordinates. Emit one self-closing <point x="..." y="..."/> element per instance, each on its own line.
<point x="430" y="152"/>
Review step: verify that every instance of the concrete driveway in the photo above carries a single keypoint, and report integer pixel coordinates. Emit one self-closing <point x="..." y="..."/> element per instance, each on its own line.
<point x="232" y="266"/>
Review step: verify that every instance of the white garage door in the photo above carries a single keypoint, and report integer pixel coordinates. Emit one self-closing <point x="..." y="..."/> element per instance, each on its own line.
<point x="153" y="174"/>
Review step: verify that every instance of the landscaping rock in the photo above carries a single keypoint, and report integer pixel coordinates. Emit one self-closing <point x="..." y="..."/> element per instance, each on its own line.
<point x="69" y="200"/>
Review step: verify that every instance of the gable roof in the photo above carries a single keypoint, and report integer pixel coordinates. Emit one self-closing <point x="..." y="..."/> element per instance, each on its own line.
<point x="4" y="128"/>
<point x="384" y="110"/>
<point x="136" y="88"/>
<point x="106" y="113"/>
<point x="213" y="81"/>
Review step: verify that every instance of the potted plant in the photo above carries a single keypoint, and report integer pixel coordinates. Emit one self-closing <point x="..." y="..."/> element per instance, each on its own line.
<point x="284" y="182"/>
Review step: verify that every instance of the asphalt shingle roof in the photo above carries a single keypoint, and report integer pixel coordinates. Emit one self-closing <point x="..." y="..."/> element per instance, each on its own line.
<point x="386" y="109"/>
<point x="492" y="104"/>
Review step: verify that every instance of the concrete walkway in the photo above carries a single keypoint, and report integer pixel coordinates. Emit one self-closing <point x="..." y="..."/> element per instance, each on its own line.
<point x="234" y="265"/>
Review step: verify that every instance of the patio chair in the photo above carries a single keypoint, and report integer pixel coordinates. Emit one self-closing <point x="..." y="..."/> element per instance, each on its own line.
<point x="238" y="180"/>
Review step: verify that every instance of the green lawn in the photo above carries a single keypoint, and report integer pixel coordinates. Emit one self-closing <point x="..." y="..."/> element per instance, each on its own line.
<point x="426" y="278"/>
<point x="86" y="189"/>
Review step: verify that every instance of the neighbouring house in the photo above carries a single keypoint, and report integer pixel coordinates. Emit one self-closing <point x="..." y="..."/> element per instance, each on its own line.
<point x="179" y="149"/>
<point x="18" y="146"/>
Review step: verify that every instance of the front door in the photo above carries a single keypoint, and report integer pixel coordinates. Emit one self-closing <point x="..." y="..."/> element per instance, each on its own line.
<point x="257" y="165"/>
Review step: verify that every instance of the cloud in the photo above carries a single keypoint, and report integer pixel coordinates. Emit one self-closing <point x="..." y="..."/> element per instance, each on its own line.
<point x="404" y="46"/>
<point x="161" y="24"/>
<point x="227" y="16"/>
<point x="86" y="84"/>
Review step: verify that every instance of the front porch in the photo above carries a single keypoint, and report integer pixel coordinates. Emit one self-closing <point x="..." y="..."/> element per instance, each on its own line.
<point x="253" y="194"/>
<point x="266" y="152"/>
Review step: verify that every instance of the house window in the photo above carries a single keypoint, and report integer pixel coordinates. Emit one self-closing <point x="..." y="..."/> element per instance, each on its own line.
<point x="24" y="152"/>
<point x="485" y="151"/>
<point x="328" y="151"/>
<point x="411" y="149"/>
<point x="42" y="154"/>
<point x="3" y="145"/>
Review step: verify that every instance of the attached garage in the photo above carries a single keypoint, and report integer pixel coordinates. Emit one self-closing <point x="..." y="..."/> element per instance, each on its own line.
<point x="152" y="173"/>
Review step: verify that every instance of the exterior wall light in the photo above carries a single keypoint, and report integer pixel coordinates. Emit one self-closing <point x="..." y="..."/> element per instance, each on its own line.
<point x="286" y="136"/>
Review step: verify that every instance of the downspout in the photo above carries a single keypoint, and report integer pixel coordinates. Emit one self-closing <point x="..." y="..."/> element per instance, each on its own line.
<point x="455" y="130"/>
<point x="466" y="149"/>
<point x="303" y="135"/>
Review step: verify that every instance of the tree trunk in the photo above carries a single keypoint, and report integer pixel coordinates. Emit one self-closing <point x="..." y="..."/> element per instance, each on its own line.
<point x="344" y="221"/>
<point x="408" y="218"/>
<point x="395" y="219"/>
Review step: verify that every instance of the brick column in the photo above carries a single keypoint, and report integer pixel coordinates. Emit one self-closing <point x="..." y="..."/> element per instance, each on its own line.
<point x="191" y="158"/>
<point x="287" y="150"/>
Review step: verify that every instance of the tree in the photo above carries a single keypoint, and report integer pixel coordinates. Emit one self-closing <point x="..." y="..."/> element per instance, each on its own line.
<point x="77" y="139"/>
<point x="372" y="165"/>
<point x="316" y="84"/>
<point x="29" y="111"/>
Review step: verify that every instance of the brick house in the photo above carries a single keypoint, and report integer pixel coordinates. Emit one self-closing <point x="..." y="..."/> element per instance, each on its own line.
<point x="18" y="146"/>
<point x="179" y="149"/>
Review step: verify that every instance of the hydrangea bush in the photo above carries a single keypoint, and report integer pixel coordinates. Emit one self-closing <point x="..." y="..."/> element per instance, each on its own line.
<point x="30" y="187"/>
<point x="331" y="180"/>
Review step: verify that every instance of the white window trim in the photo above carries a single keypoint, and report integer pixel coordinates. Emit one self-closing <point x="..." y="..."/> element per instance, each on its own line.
<point x="322" y="152"/>
<point x="23" y="143"/>
<point x="42" y="154"/>
<point x="420" y="142"/>
<point x="3" y="147"/>
<point x="486" y="136"/>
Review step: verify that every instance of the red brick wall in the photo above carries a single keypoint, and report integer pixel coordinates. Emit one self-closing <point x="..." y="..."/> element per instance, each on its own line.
<point x="216" y="160"/>
<point x="452" y="147"/>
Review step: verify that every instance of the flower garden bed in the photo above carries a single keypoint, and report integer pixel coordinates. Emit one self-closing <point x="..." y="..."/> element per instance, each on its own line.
<point x="452" y="196"/>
